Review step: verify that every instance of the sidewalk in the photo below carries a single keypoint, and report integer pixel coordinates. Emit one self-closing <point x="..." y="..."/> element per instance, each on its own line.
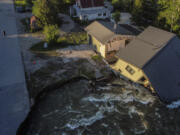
<point x="14" y="100"/>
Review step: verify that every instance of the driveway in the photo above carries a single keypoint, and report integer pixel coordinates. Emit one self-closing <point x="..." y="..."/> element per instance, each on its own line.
<point x="14" y="100"/>
<point x="68" y="24"/>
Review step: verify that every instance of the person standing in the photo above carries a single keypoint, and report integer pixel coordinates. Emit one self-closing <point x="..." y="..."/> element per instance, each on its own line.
<point x="4" y="33"/>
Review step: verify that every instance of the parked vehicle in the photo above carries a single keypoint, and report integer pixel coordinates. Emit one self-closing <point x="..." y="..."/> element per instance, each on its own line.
<point x="28" y="9"/>
<point x="20" y="9"/>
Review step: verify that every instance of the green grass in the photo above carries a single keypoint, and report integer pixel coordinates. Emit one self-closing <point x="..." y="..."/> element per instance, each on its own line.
<point x="20" y="3"/>
<point x="97" y="58"/>
<point x="63" y="41"/>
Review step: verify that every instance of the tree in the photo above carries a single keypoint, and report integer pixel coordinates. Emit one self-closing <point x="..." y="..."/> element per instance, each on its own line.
<point x="46" y="12"/>
<point x="137" y="11"/>
<point x="51" y="33"/>
<point x="29" y="2"/>
<point x="116" y="16"/>
<point x="122" y="5"/>
<point x="145" y="12"/>
<point x="169" y="15"/>
<point x="117" y="4"/>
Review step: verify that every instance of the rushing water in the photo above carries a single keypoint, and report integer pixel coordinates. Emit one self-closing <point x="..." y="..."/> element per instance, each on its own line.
<point x="78" y="108"/>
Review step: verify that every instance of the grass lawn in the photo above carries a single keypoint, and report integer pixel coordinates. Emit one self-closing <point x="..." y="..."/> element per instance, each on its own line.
<point x="75" y="38"/>
<point x="97" y="57"/>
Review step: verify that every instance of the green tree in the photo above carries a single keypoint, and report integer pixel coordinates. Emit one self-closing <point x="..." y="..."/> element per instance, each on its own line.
<point x="137" y="11"/>
<point x="116" y="16"/>
<point x="145" y="12"/>
<point x="51" y="33"/>
<point x="117" y="4"/>
<point x="29" y="2"/>
<point x="169" y="15"/>
<point x="46" y="12"/>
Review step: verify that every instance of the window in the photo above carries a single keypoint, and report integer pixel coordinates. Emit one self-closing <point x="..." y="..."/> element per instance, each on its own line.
<point x="143" y="79"/>
<point x="104" y="14"/>
<point x="130" y="70"/>
<point x="99" y="14"/>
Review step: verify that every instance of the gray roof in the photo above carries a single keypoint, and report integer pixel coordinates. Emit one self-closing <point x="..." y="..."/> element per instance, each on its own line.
<point x="99" y="31"/>
<point x="145" y="46"/>
<point x="104" y="31"/>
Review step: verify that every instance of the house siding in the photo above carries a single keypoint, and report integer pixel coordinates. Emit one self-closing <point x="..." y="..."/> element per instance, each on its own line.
<point x="121" y="65"/>
<point x="99" y="46"/>
<point x="163" y="72"/>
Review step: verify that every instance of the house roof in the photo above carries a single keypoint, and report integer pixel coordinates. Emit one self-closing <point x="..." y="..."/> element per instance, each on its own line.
<point x="145" y="46"/>
<point x="163" y="71"/>
<point x="91" y="3"/>
<point x="104" y="31"/>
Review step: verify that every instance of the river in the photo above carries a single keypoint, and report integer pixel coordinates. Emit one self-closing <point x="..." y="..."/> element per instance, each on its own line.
<point x="115" y="108"/>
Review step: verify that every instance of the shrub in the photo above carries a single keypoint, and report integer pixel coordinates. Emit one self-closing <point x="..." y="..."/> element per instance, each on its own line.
<point x="51" y="33"/>
<point x="46" y="11"/>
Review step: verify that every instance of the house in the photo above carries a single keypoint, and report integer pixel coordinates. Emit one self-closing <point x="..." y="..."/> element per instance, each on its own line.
<point x="91" y="9"/>
<point x="106" y="37"/>
<point x="153" y="59"/>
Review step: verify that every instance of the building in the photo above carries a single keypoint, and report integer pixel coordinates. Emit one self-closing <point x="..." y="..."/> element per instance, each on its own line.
<point x="91" y="9"/>
<point x="153" y="59"/>
<point x="107" y="38"/>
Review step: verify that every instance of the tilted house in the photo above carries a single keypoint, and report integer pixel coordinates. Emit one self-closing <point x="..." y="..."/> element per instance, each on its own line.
<point x="91" y="9"/>
<point x="153" y="59"/>
<point x="106" y="38"/>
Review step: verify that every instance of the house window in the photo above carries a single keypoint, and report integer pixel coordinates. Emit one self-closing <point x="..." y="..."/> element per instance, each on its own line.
<point x="143" y="79"/>
<point x="104" y="14"/>
<point x="130" y="70"/>
<point x="99" y="14"/>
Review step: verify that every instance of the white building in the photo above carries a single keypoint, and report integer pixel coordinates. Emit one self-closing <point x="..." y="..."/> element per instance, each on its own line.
<point x="91" y="9"/>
